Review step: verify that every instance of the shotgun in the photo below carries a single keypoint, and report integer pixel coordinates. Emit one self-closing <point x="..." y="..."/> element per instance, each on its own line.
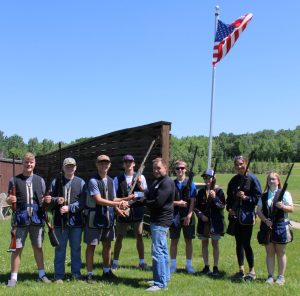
<point x="60" y="192"/>
<point x="12" y="191"/>
<point x="139" y="173"/>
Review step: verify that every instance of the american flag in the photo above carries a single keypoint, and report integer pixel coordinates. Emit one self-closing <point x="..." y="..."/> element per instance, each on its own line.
<point x="227" y="35"/>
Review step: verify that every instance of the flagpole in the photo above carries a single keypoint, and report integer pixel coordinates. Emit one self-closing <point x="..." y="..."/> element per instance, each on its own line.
<point x="217" y="13"/>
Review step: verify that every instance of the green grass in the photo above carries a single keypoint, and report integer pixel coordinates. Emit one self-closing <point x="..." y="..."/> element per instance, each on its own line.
<point x="133" y="281"/>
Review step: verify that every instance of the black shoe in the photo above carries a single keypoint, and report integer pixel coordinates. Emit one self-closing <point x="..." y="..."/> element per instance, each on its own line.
<point x="90" y="279"/>
<point x="205" y="270"/>
<point x="239" y="275"/>
<point x="109" y="275"/>
<point x="215" y="271"/>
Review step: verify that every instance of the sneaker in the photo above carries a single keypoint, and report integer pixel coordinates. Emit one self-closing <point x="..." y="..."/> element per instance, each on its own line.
<point x="114" y="266"/>
<point x="280" y="280"/>
<point x="215" y="271"/>
<point x="173" y="268"/>
<point x="153" y="289"/>
<point x="270" y="280"/>
<point x="250" y="276"/>
<point x="150" y="283"/>
<point x="239" y="275"/>
<point x="109" y="275"/>
<point x="205" y="270"/>
<point x="11" y="283"/>
<point x="44" y="279"/>
<point x="190" y="269"/>
<point x="59" y="281"/>
<point x="77" y="277"/>
<point x="144" y="266"/>
<point x="90" y="279"/>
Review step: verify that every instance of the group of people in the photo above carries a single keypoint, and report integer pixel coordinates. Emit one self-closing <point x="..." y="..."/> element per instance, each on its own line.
<point x="102" y="210"/>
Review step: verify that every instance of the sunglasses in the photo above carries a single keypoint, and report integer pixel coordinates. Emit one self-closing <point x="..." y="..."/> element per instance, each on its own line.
<point x="103" y="161"/>
<point x="180" y="168"/>
<point x="207" y="177"/>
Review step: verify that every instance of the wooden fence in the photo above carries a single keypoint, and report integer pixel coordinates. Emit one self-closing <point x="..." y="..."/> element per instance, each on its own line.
<point x="133" y="141"/>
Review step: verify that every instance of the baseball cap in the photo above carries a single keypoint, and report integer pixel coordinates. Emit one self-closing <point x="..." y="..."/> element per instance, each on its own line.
<point x="208" y="172"/>
<point x="103" y="157"/>
<point x="69" y="160"/>
<point x="128" y="157"/>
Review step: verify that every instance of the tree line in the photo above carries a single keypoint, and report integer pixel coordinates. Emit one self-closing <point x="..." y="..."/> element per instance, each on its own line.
<point x="273" y="149"/>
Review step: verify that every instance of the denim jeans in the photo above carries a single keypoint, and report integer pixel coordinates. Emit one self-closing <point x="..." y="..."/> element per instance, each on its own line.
<point x="73" y="235"/>
<point x="160" y="255"/>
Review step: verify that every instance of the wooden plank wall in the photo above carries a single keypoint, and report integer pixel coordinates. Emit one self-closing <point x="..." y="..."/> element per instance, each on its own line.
<point x="6" y="172"/>
<point x="135" y="141"/>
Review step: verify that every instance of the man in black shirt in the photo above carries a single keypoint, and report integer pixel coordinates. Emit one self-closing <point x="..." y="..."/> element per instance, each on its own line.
<point x="160" y="200"/>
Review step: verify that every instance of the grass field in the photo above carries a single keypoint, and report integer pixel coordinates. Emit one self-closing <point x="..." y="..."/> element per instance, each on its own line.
<point x="132" y="281"/>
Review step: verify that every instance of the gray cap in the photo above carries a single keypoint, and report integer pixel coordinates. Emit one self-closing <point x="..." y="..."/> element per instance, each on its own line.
<point x="208" y="172"/>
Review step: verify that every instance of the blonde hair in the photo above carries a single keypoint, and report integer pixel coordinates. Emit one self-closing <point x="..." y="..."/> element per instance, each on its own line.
<point x="278" y="178"/>
<point x="160" y="159"/>
<point x="29" y="155"/>
<point x="181" y="162"/>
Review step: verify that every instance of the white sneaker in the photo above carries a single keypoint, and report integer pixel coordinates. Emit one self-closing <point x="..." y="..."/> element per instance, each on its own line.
<point x="173" y="268"/>
<point x="153" y="289"/>
<point x="270" y="280"/>
<point x="280" y="280"/>
<point x="11" y="283"/>
<point x="190" y="269"/>
<point x="150" y="283"/>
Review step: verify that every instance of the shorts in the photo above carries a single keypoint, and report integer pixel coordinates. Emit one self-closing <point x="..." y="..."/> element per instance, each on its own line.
<point x="212" y="236"/>
<point x="36" y="234"/>
<point x="121" y="228"/>
<point x="188" y="231"/>
<point x="93" y="236"/>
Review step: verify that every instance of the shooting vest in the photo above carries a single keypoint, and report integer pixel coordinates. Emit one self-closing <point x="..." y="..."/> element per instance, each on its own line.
<point x="281" y="229"/>
<point x="267" y="211"/>
<point x="71" y="194"/>
<point x="135" y="214"/>
<point x="214" y="210"/>
<point x="29" y="210"/>
<point x="181" y="193"/>
<point x="99" y="216"/>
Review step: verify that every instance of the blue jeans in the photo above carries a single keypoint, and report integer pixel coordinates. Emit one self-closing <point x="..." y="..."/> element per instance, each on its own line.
<point x="73" y="235"/>
<point x="160" y="255"/>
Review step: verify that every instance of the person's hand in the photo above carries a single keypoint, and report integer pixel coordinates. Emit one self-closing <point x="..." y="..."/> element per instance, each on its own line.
<point x="123" y="205"/>
<point x="241" y="194"/>
<point x="269" y="223"/>
<point x="120" y="212"/>
<point x="47" y="199"/>
<point x="64" y="210"/>
<point x="212" y="193"/>
<point x="60" y="200"/>
<point x="182" y="204"/>
<point x="186" y="221"/>
<point x="131" y="196"/>
<point x="204" y="218"/>
<point x="11" y="199"/>
<point x="279" y="205"/>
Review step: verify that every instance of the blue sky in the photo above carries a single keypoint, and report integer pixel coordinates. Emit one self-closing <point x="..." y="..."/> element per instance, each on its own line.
<point x="72" y="69"/>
